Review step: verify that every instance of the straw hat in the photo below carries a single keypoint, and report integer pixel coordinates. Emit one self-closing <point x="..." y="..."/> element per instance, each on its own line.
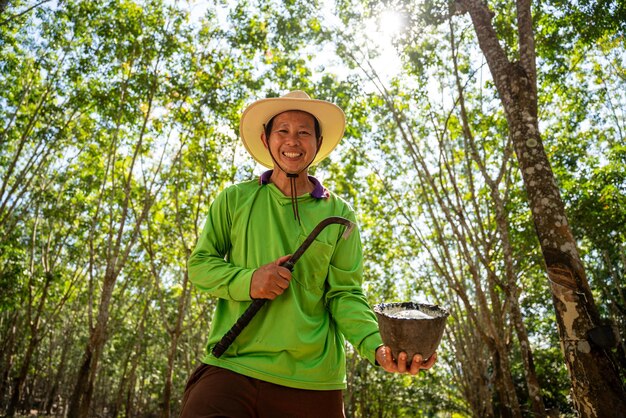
<point x="331" y="118"/>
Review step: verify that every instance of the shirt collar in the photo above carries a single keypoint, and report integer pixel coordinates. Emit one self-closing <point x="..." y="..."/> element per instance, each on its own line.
<point x="319" y="191"/>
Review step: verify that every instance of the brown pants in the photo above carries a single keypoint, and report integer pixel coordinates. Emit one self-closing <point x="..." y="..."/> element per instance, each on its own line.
<point x="215" y="392"/>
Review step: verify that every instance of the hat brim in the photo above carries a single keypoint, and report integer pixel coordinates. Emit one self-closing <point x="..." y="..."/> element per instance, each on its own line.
<point x="331" y="118"/>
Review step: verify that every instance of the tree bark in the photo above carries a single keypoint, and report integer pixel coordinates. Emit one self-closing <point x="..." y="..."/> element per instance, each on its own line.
<point x="58" y="377"/>
<point x="171" y="355"/>
<point x="83" y="389"/>
<point x="485" y="310"/>
<point x="30" y="350"/>
<point x="596" y="388"/>
<point x="502" y="226"/>
<point x="473" y="364"/>
<point x="8" y="348"/>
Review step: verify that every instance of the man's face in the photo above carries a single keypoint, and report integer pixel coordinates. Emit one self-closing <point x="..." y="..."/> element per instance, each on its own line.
<point x="292" y="140"/>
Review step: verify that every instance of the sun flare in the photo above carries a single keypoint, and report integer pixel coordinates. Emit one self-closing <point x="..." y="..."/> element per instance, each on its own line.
<point x="391" y="23"/>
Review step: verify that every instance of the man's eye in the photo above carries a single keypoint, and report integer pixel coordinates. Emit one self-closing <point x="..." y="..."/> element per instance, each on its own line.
<point x="304" y="133"/>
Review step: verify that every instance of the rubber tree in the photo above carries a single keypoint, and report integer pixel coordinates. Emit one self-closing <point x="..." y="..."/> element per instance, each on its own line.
<point x="586" y="343"/>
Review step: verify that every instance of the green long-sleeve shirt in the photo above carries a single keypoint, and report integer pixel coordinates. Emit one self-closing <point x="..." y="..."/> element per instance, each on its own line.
<point x="297" y="339"/>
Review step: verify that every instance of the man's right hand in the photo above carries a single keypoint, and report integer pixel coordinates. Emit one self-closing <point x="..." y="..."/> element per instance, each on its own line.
<point x="270" y="280"/>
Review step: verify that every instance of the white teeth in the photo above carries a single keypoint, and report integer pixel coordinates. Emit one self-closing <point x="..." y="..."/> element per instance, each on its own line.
<point x="291" y="154"/>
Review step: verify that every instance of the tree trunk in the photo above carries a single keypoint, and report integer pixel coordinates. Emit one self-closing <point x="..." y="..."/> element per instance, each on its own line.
<point x="32" y="345"/>
<point x="532" y="382"/>
<point x="83" y="389"/>
<point x="18" y="383"/>
<point x="469" y="352"/>
<point x="171" y="356"/>
<point x="8" y="346"/>
<point x="137" y="353"/>
<point x="508" y="404"/>
<point x="117" y="406"/>
<point x="132" y="380"/>
<point x="58" y="377"/>
<point x="502" y="225"/>
<point x="596" y="388"/>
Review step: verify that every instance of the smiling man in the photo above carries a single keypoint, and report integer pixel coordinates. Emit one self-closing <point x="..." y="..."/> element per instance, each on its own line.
<point x="290" y="360"/>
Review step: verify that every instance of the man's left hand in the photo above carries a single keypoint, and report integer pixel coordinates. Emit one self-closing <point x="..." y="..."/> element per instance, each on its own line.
<point x="387" y="362"/>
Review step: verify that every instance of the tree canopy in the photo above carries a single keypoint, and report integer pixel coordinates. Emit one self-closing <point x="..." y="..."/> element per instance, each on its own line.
<point x="120" y="125"/>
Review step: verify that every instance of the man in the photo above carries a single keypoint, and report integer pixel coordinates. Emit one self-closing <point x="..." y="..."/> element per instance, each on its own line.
<point x="290" y="360"/>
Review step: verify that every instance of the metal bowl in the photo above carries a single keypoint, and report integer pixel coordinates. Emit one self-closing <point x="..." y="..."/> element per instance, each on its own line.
<point x="415" y="328"/>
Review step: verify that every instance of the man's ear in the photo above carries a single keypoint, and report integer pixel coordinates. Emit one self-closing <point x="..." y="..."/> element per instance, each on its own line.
<point x="319" y="142"/>
<point x="264" y="140"/>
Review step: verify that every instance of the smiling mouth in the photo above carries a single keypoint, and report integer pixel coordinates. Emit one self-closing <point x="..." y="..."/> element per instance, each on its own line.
<point x="292" y="154"/>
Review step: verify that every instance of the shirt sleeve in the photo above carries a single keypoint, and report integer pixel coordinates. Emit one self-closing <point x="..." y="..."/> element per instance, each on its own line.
<point x="346" y="300"/>
<point x="208" y="266"/>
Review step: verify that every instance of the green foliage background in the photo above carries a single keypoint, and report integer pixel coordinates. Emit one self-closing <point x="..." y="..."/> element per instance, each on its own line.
<point x="120" y="125"/>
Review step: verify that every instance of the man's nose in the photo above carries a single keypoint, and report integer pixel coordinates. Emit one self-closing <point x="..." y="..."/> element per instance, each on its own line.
<point x="292" y="138"/>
